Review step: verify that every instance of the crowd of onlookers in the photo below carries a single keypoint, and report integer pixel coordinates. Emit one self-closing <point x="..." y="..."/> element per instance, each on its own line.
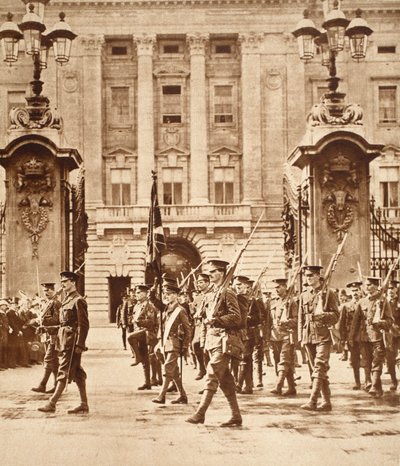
<point x="20" y="344"/>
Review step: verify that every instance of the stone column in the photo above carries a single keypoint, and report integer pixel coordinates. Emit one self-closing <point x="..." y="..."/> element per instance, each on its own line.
<point x="198" y="120"/>
<point x="145" y="149"/>
<point x="92" y="116"/>
<point x="251" y="117"/>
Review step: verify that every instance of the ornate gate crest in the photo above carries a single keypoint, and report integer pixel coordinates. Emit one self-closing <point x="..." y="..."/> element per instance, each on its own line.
<point x="35" y="183"/>
<point x="339" y="181"/>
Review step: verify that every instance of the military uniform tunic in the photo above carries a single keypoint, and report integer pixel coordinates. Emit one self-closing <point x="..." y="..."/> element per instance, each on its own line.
<point x="318" y="311"/>
<point x="365" y="330"/>
<point x="227" y="323"/>
<point x="51" y="322"/>
<point x="74" y="327"/>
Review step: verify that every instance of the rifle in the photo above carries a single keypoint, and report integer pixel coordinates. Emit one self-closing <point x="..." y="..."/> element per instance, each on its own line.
<point x="230" y="271"/>
<point x="382" y="296"/>
<point x="331" y="269"/>
<point x="263" y="271"/>
<point x="192" y="272"/>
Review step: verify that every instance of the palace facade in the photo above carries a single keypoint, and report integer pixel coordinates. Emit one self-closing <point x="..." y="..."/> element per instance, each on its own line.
<point x="213" y="96"/>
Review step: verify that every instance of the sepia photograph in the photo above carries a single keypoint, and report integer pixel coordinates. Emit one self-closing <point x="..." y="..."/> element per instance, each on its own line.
<point x="200" y="232"/>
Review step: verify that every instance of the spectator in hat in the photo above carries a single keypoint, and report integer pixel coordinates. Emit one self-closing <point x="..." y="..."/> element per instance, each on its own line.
<point x="74" y="327"/>
<point x="4" y="328"/>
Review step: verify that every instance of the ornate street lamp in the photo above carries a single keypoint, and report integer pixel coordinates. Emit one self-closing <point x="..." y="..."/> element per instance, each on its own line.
<point x="331" y="41"/>
<point x="37" y="44"/>
<point x="10" y="35"/>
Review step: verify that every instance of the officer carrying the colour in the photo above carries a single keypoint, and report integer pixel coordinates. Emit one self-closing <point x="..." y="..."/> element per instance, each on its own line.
<point x="49" y="324"/>
<point x="318" y="311"/>
<point x="221" y="339"/>
<point x="74" y="327"/>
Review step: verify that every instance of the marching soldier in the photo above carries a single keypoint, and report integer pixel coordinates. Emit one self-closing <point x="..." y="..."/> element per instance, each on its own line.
<point x="222" y="342"/>
<point x="121" y="317"/>
<point x="144" y="337"/>
<point x="318" y="311"/>
<point x="261" y="339"/>
<point x="74" y="327"/>
<point x="394" y="335"/>
<point x="371" y="320"/>
<point x="199" y="304"/>
<point x="284" y="312"/>
<point x="240" y="369"/>
<point x="345" y="321"/>
<point x="49" y="323"/>
<point x="177" y="335"/>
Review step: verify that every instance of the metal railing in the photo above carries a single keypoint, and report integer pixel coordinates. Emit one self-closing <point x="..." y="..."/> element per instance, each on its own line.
<point x="384" y="239"/>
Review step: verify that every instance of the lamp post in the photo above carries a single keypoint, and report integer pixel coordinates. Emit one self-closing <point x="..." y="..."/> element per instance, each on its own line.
<point x="37" y="44"/>
<point x="330" y="42"/>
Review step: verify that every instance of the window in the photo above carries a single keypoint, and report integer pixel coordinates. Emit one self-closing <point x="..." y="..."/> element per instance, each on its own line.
<point x="119" y="105"/>
<point x="223" y="48"/>
<point x="223" y="185"/>
<point x="387" y="49"/>
<point x="119" y="50"/>
<point x="389" y="186"/>
<point x="171" y="104"/>
<point x="387" y="104"/>
<point x="171" y="48"/>
<point x="120" y="186"/>
<point x="15" y="99"/>
<point x="223" y="104"/>
<point x="172" y="186"/>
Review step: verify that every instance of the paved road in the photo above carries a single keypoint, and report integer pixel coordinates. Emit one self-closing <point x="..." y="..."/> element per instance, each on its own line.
<point x="125" y="428"/>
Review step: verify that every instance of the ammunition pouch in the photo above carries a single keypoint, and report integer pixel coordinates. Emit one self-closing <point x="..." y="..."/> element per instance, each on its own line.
<point x="232" y="346"/>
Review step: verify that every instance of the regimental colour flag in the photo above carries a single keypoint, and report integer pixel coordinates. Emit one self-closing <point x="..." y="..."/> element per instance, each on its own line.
<point x="155" y="231"/>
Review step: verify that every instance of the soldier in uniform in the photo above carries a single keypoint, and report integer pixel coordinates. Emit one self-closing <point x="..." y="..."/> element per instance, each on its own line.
<point x="200" y="304"/>
<point x="250" y="335"/>
<point x="177" y="334"/>
<point x="74" y="327"/>
<point x="284" y="310"/>
<point x="261" y="339"/>
<point x="318" y="311"/>
<point x="144" y="336"/>
<point x="121" y="317"/>
<point x="372" y="319"/>
<point x="393" y="340"/>
<point x="49" y="323"/>
<point x="345" y="320"/>
<point x="222" y="341"/>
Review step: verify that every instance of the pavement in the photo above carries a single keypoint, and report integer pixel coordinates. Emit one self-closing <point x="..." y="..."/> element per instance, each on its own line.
<point x="124" y="427"/>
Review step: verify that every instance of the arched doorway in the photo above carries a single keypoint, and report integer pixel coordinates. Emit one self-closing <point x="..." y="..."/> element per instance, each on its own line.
<point x="178" y="259"/>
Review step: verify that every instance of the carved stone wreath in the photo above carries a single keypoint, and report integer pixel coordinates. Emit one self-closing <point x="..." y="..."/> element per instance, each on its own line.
<point x="35" y="231"/>
<point x="332" y="219"/>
